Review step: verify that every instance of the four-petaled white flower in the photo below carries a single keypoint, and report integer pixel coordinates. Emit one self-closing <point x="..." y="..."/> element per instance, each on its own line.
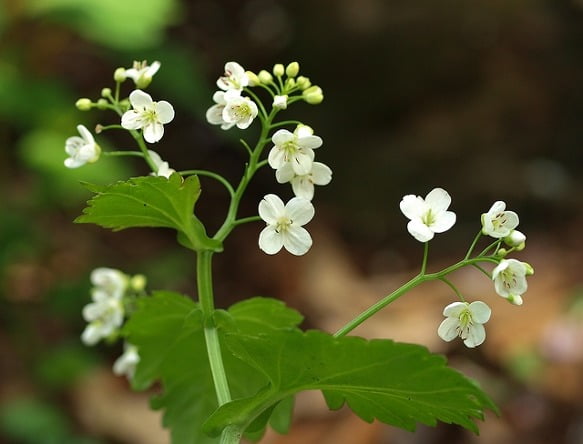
<point x="126" y="364"/>
<point x="303" y="185"/>
<point x="497" y="222"/>
<point x="509" y="278"/>
<point x="81" y="150"/>
<point x="162" y="167"/>
<point x="239" y="110"/>
<point x="105" y="315"/>
<point x="214" y="114"/>
<point x="234" y="78"/>
<point x="428" y="216"/>
<point x="141" y="73"/>
<point x="284" y="225"/>
<point x="148" y="115"/>
<point x="466" y="321"/>
<point x="296" y="148"/>
<point x="280" y="102"/>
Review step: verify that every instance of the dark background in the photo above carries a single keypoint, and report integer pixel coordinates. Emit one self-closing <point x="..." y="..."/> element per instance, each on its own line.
<point x="482" y="98"/>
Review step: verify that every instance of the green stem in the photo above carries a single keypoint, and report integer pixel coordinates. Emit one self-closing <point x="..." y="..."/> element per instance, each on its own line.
<point x="425" y="255"/>
<point x="123" y="153"/>
<point x="245" y="220"/>
<point x="144" y="149"/>
<point x="471" y="249"/>
<point x="420" y="278"/>
<point x="212" y="175"/>
<point x="213" y="346"/>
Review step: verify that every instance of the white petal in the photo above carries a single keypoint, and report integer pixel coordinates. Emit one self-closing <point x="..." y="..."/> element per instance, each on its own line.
<point x="276" y="158"/>
<point x="302" y="162"/>
<point x="300" y="211"/>
<point x="438" y="199"/>
<point x="271" y="208"/>
<point x="140" y="99"/>
<point x="282" y="136"/>
<point x="214" y="115"/>
<point x="419" y="231"/>
<point x="72" y="145"/>
<point x="153" y="132"/>
<point x="454" y="309"/>
<point x="73" y="163"/>
<point x="155" y="158"/>
<point x="153" y="69"/>
<point x="311" y="142"/>
<point x="447" y="330"/>
<point x="219" y="97"/>
<point x="303" y="187"/>
<point x="412" y="206"/>
<point x="297" y="240"/>
<point x="270" y="241"/>
<point x="91" y="335"/>
<point x="285" y="173"/>
<point x="443" y="222"/>
<point x="86" y="134"/>
<point x="480" y="312"/>
<point x="321" y="174"/>
<point x="497" y="207"/>
<point x="131" y="120"/>
<point x="164" y="111"/>
<point x="476" y="336"/>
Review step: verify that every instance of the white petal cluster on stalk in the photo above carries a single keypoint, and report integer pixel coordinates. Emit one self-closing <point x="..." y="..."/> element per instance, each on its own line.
<point x="303" y="185"/>
<point x="235" y="77"/>
<point x="147" y="115"/>
<point x="239" y="111"/>
<point x="497" y="222"/>
<point x="295" y="148"/>
<point x="126" y="364"/>
<point x="81" y="150"/>
<point x="466" y="321"/>
<point x="428" y="216"/>
<point x="141" y="73"/>
<point x="509" y="278"/>
<point x="162" y="167"/>
<point x="285" y="225"/>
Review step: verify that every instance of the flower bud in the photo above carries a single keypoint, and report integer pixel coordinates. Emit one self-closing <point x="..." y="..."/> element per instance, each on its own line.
<point x="278" y="70"/>
<point x="516" y="239"/>
<point x="253" y="79"/>
<point x="502" y="252"/>
<point x="138" y="282"/>
<point x="514" y="299"/>
<point x="265" y="77"/>
<point x="280" y="102"/>
<point x="119" y="75"/>
<point x="106" y="92"/>
<point x="83" y="104"/>
<point x="529" y="269"/>
<point x="102" y="104"/>
<point x="143" y="81"/>
<point x="303" y="82"/>
<point x="292" y="69"/>
<point x="290" y="83"/>
<point x="98" y="128"/>
<point x="313" y="95"/>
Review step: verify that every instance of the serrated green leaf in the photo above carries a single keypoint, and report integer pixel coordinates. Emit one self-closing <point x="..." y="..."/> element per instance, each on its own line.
<point x="399" y="384"/>
<point x="167" y="328"/>
<point x="150" y="201"/>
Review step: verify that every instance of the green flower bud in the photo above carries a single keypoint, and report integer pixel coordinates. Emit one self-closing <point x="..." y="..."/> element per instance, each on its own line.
<point x="303" y="82"/>
<point x="102" y="104"/>
<point x="119" y="75"/>
<point x="98" y="128"/>
<point x="265" y="77"/>
<point x="292" y="69"/>
<point x="313" y="95"/>
<point x="138" y="282"/>
<point x="253" y="79"/>
<point x="83" y="104"/>
<point x="278" y="70"/>
<point x="529" y="269"/>
<point x="502" y="252"/>
<point x="143" y="81"/>
<point x="106" y="92"/>
<point x="290" y="83"/>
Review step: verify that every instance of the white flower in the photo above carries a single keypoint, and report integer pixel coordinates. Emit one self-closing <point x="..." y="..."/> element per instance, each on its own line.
<point x="296" y="148"/>
<point x="162" y="167"/>
<point x="239" y="110"/>
<point x="214" y="114"/>
<point x="141" y="73"/>
<point x="234" y="78"/>
<point x="81" y="150"/>
<point x="509" y="278"/>
<point x="428" y="216"/>
<point x="104" y="314"/>
<point x="109" y="280"/>
<point x="126" y="364"/>
<point x="466" y="321"/>
<point x="284" y="225"/>
<point x="497" y="222"/>
<point x="280" y="102"/>
<point x="303" y="185"/>
<point x="148" y="115"/>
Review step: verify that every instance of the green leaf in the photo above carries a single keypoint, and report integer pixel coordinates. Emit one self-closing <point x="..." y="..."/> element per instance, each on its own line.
<point x="168" y="330"/>
<point x="150" y="201"/>
<point x="399" y="384"/>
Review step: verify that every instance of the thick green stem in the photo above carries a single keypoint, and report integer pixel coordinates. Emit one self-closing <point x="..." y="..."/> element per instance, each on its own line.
<point x="205" y="296"/>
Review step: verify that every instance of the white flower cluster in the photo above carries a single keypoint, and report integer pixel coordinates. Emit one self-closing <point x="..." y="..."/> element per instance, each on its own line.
<point x="105" y="315"/>
<point x="429" y="216"/>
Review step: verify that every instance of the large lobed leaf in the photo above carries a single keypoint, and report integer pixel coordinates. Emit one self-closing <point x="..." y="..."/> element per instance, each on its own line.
<point x="167" y="328"/>
<point x="150" y="201"/>
<point x="399" y="384"/>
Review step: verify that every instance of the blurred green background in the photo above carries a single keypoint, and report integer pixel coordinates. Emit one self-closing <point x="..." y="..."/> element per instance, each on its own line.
<point x="482" y="98"/>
